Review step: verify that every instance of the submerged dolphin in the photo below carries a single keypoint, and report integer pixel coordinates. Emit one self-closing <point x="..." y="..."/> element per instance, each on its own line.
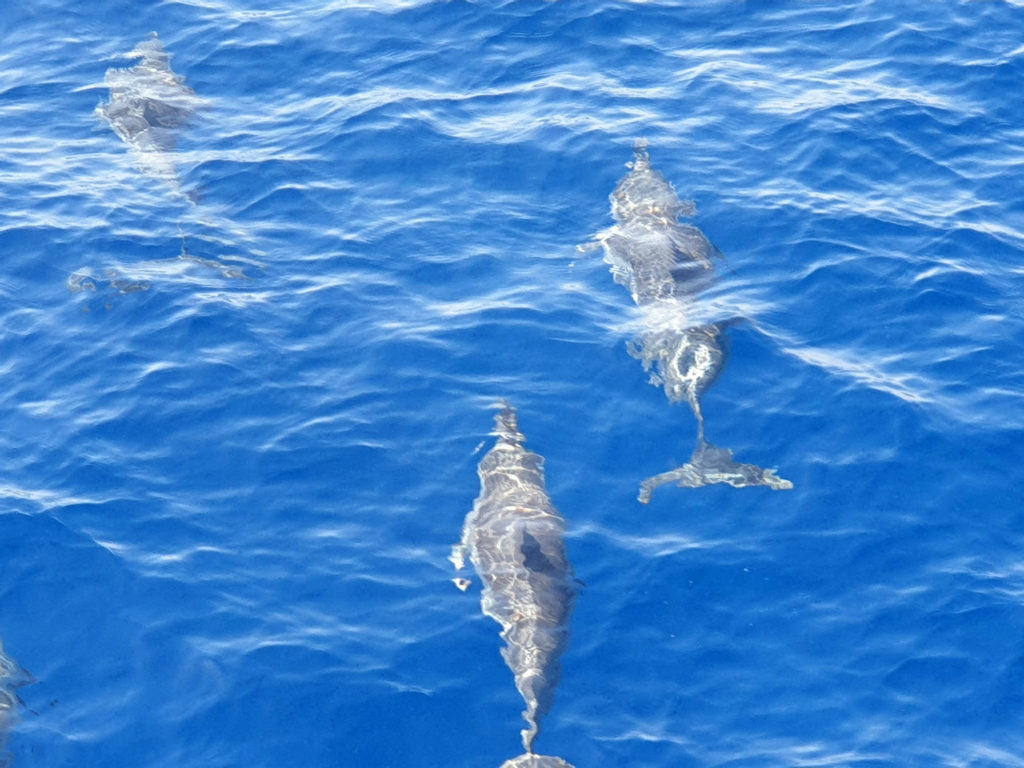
<point x="12" y="677"/>
<point x="148" y="103"/>
<point x="514" y="538"/>
<point x="665" y="265"/>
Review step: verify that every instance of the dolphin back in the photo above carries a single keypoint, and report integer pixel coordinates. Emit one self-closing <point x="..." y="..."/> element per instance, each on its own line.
<point x="685" y="362"/>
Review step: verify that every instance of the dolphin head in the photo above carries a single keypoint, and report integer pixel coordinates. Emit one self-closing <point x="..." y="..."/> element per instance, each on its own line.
<point x="646" y="193"/>
<point x="152" y="53"/>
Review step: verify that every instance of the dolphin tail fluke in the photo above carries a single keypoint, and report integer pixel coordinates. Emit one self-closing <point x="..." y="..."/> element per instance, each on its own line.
<point x="530" y="760"/>
<point x="710" y="464"/>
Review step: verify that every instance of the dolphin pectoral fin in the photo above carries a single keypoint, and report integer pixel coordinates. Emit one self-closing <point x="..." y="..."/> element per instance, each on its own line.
<point x="458" y="559"/>
<point x="458" y="556"/>
<point x="715" y="253"/>
<point x="595" y="243"/>
<point x="16" y="678"/>
<point x="709" y="465"/>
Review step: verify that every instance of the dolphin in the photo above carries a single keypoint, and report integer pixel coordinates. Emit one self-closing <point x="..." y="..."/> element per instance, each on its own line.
<point x="514" y="537"/>
<point x="666" y="264"/>
<point x="148" y="103"/>
<point x="12" y="677"/>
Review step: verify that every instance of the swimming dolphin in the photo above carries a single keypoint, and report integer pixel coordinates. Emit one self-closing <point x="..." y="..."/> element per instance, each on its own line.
<point x="665" y="265"/>
<point x="514" y="538"/>
<point x="12" y="677"/>
<point x="148" y="103"/>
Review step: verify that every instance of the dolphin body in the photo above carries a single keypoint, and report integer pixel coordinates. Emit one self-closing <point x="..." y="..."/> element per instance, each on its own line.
<point x="12" y="677"/>
<point x="148" y="103"/>
<point x="665" y="265"/>
<point x="514" y="538"/>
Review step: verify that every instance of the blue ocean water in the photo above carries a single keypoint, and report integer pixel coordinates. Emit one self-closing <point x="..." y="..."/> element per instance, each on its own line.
<point x="244" y="392"/>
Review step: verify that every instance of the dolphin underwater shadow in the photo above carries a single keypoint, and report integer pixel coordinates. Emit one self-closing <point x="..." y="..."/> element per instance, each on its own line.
<point x="514" y="537"/>
<point x="149" y="102"/>
<point x="665" y="265"/>
<point x="12" y="677"/>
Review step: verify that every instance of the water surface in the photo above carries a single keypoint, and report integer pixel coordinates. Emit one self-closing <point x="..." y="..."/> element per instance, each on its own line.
<point x="241" y="407"/>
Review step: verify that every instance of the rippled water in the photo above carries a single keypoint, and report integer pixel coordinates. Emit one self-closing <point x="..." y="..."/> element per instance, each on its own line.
<point x="244" y="390"/>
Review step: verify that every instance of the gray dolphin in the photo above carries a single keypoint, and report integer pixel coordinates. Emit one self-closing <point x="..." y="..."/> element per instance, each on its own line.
<point x="12" y="677"/>
<point x="514" y="538"/>
<point x="665" y="265"/>
<point x="148" y="103"/>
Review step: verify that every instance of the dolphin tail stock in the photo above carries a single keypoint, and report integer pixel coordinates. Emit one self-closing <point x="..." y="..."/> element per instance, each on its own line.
<point x="530" y="734"/>
<point x="532" y="714"/>
<point x="698" y="414"/>
<point x="530" y="760"/>
<point x="710" y="464"/>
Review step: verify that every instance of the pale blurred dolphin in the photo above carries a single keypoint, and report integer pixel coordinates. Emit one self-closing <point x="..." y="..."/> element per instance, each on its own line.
<point x="148" y="104"/>
<point x="12" y="677"/>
